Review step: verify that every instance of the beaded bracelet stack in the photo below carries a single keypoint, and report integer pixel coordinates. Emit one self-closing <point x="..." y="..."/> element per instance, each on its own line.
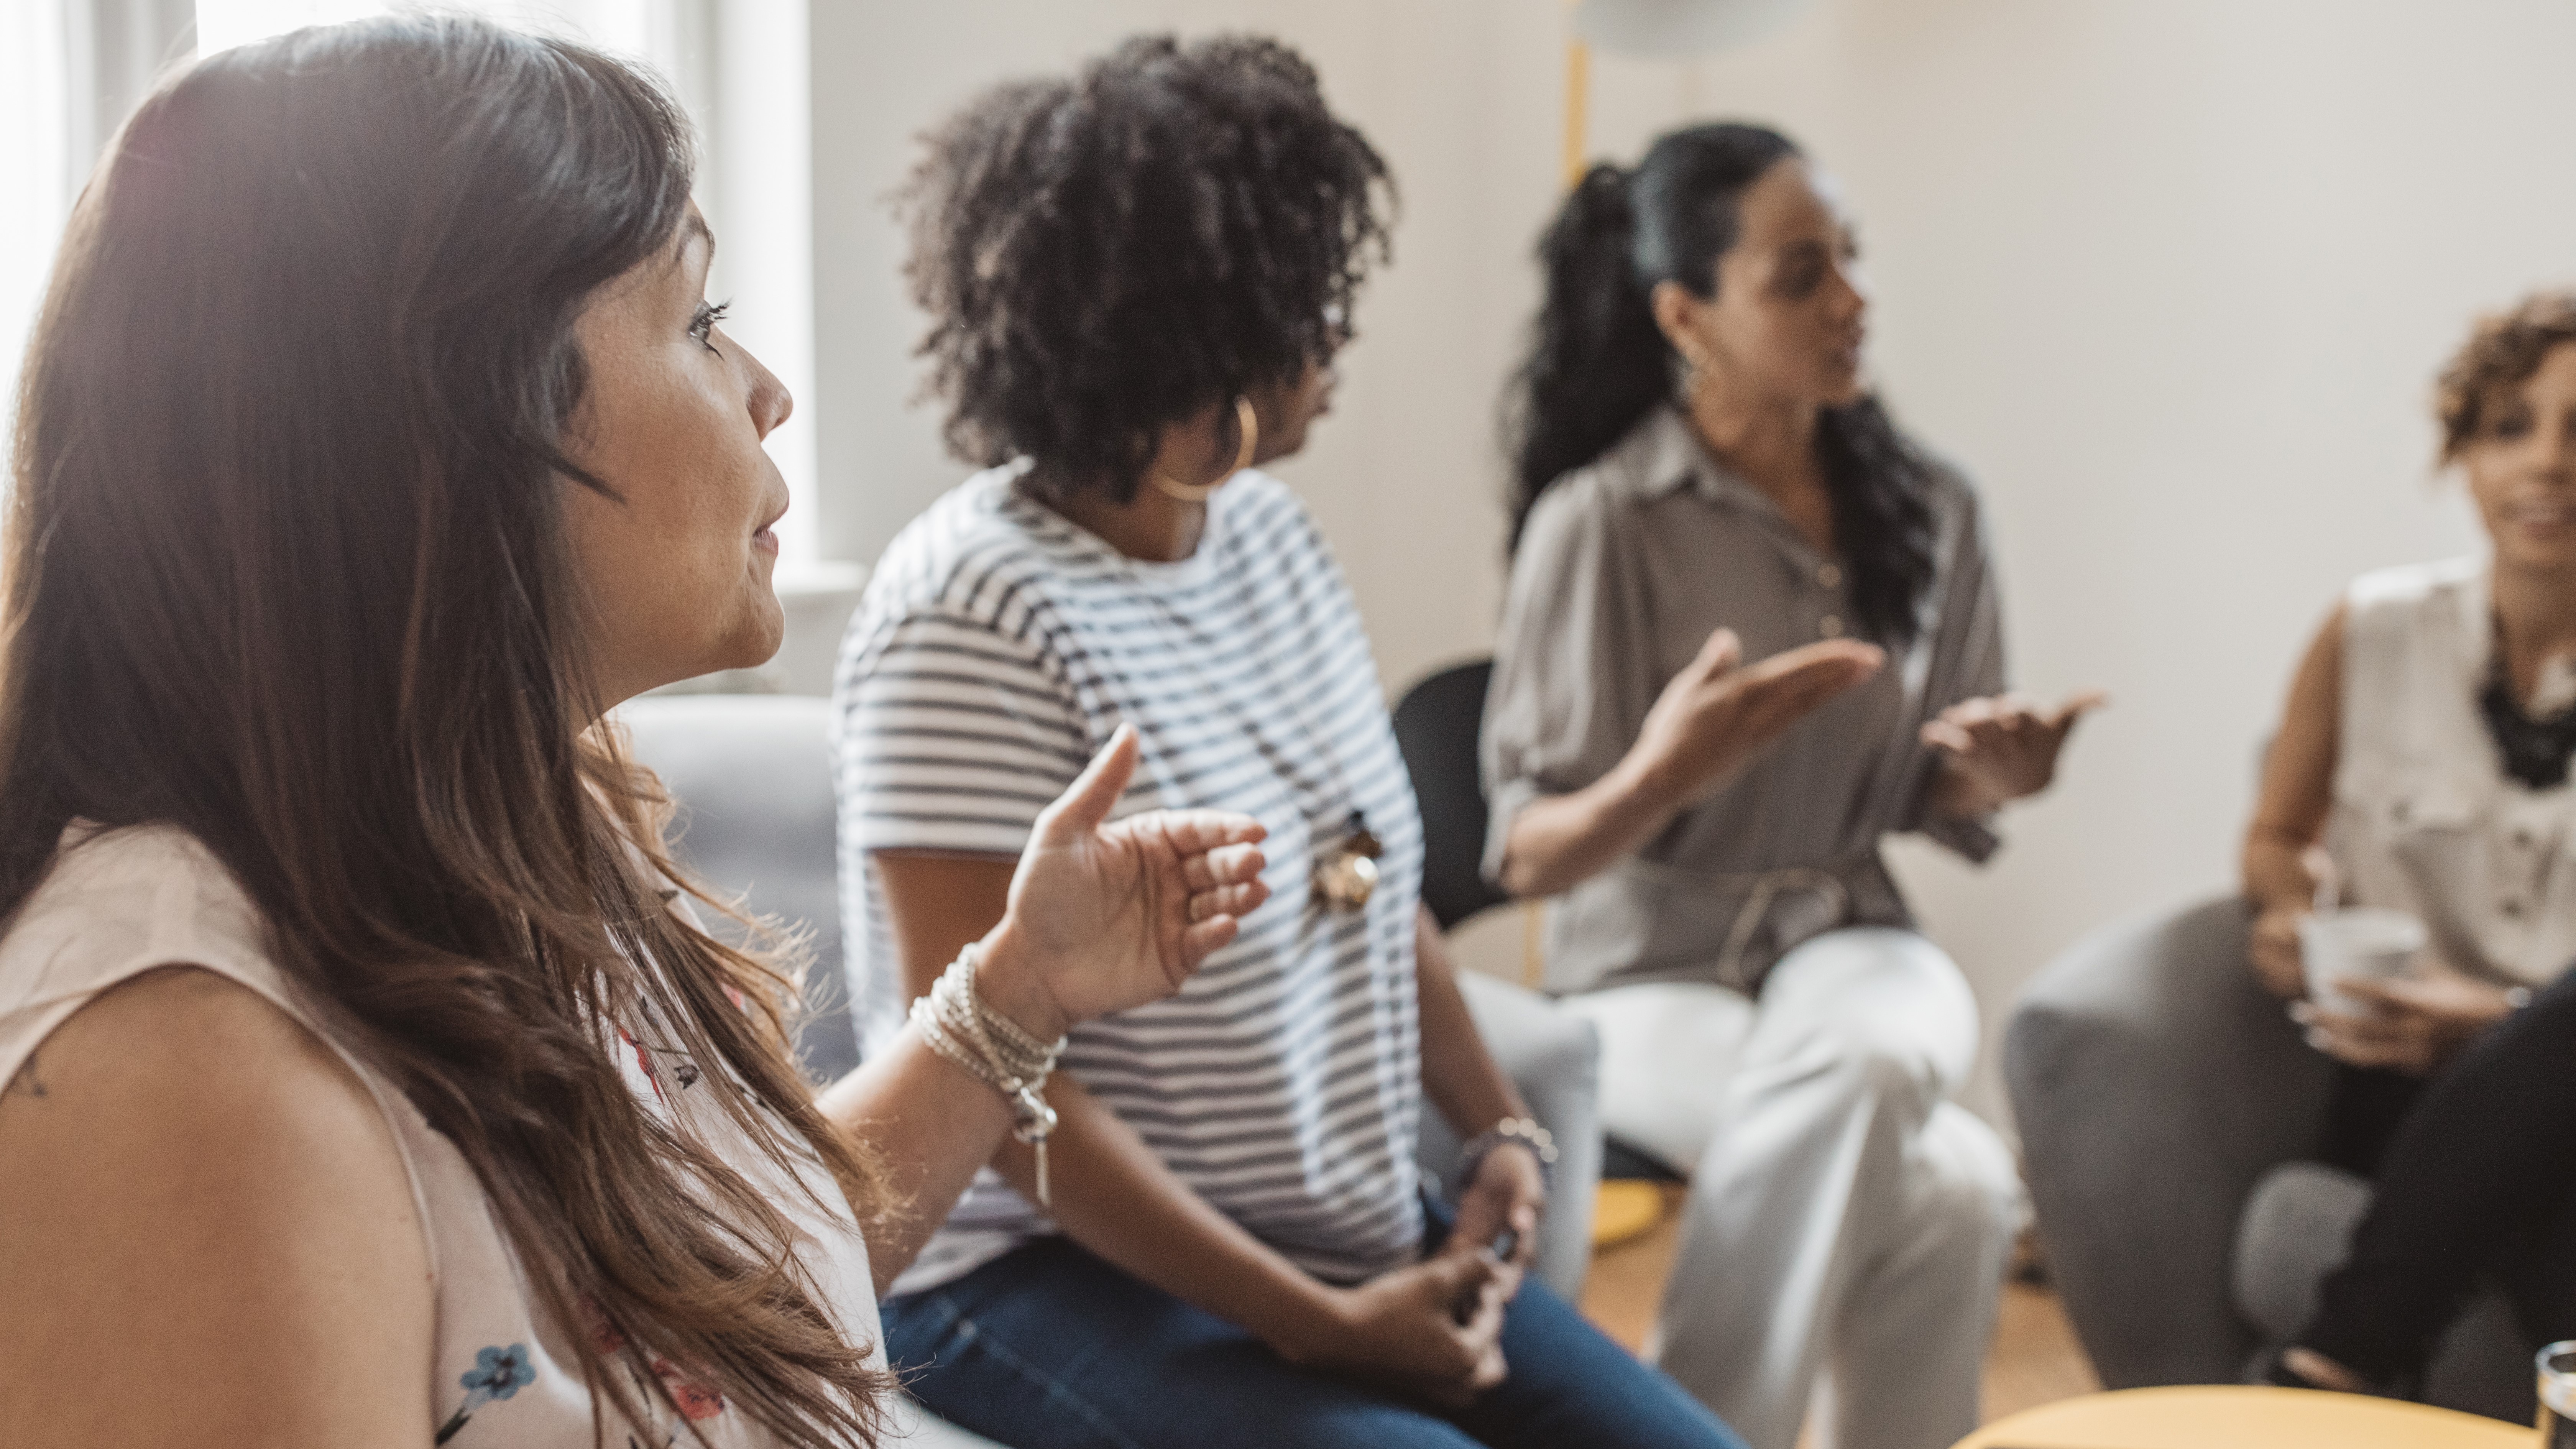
<point x="993" y="1049"/>
<point x="1519" y="1132"/>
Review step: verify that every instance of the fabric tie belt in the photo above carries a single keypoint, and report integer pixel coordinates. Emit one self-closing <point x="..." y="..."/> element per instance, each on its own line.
<point x="1756" y="893"/>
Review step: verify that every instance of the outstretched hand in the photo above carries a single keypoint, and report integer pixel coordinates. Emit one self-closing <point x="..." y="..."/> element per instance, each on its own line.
<point x="1719" y="713"/>
<point x="2002" y="748"/>
<point x="1104" y="917"/>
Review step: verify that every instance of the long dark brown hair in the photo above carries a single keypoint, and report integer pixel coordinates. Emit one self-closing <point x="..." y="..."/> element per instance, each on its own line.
<point x="286" y="568"/>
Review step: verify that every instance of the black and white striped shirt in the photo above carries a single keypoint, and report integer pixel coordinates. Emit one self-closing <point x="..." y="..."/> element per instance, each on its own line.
<point x="998" y="647"/>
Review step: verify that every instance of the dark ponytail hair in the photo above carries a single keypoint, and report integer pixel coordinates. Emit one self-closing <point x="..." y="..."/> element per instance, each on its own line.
<point x="1599" y="364"/>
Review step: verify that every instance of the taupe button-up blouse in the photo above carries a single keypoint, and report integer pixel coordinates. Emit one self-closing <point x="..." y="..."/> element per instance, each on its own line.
<point x="1624" y="570"/>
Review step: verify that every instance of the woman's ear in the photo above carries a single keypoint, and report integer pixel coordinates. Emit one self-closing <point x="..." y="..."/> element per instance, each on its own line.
<point x="1677" y="317"/>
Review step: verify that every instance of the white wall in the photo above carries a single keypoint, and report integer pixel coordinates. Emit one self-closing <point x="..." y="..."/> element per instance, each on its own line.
<point x="2170" y="277"/>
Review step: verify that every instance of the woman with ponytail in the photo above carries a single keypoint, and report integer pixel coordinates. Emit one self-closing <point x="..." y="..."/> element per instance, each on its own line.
<point x="1752" y="630"/>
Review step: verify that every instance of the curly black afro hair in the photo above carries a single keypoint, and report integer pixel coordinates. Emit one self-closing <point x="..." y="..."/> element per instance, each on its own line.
<point x="1106" y="254"/>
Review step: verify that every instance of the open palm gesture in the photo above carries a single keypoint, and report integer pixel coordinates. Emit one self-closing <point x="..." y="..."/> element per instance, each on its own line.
<point x="2003" y="748"/>
<point x="1719" y="714"/>
<point x="1113" y="916"/>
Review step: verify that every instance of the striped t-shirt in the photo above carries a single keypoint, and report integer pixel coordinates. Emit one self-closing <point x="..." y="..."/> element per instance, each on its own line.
<point x="997" y="648"/>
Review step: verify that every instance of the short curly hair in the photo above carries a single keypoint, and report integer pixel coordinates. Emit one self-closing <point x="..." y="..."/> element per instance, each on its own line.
<point x="1105" y="254"/>
<point x="2503" y="352"/>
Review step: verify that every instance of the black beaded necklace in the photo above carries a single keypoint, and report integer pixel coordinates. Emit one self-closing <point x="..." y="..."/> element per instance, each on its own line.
<point x="2536" y="751"/>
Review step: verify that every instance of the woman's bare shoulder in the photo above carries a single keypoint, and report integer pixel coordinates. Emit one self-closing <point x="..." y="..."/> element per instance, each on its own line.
<point x="205" y="1219"/>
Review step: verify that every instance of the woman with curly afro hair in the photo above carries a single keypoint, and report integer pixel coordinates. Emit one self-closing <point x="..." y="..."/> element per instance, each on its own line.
<point x="1137" y="278"/>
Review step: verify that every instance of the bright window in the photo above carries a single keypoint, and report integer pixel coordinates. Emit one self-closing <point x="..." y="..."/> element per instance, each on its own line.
<point x="753" y="160"/>
<point x="40" y="175"/>
<point x="35" y="166"/>
<point x="753" y="163"/>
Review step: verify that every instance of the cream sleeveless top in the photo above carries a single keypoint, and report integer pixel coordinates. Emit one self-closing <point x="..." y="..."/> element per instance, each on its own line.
<point x="122" y="902"/>
<point x="2424" y="817"/>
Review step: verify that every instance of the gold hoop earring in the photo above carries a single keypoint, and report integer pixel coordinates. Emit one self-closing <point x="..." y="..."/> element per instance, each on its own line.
<point x="1247" y="425"/>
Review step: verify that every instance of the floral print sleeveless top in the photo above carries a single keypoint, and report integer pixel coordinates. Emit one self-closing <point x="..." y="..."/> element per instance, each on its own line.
<point x="119" y="903"/>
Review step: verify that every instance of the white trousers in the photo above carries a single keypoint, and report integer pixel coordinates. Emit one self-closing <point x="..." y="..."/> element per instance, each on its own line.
<point x="1844" y="1239"/>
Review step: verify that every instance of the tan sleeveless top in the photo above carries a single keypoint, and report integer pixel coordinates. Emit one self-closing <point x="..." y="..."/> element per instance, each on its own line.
<point x="119" y="903"/>
<point x="2424" y="817"/>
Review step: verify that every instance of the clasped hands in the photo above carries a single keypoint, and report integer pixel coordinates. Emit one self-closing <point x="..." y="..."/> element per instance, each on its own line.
<point x="1434" y="1328"/>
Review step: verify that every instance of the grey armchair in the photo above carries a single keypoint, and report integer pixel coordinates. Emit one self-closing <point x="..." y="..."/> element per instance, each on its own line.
<point x="2164" y="1101"/>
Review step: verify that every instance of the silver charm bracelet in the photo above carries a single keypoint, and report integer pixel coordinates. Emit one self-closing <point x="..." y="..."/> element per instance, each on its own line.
<point x="993" y="1049"/>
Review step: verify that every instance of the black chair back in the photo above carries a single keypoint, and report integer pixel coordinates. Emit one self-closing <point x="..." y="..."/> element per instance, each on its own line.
<point x="1436" y="725"/>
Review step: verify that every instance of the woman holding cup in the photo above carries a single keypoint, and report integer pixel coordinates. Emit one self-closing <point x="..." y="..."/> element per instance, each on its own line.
<point x="2421" y="763"/>
<point x="2418" y="792"/>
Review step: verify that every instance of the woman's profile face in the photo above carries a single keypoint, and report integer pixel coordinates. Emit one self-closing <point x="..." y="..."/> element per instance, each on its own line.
<point x="1790" y="311"/>
<point x="676" y="567"/>
<point x="2521" y="466"/>
<point x="1288" y="410"/>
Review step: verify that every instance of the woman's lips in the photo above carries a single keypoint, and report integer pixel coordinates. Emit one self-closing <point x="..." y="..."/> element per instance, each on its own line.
<point x="765" y="540"/>
<point x="2544" y="522"/>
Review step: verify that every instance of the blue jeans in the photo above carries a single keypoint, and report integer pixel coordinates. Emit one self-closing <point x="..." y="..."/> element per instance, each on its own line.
<point x="1048" y="1347"/>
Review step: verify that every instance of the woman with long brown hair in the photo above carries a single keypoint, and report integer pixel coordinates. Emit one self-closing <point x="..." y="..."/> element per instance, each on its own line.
<point x="367" y="1078"/>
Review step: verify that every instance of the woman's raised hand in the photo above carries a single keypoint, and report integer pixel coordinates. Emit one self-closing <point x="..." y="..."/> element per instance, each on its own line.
<point x="1104" y="917"/>
<point x="2003" y="748"/>
<point x="1719" y="713"/>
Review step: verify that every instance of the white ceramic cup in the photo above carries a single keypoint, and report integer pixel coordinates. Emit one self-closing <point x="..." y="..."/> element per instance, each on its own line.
<point x="2362" y="942"/>
<point x="2558" y="1395"/>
